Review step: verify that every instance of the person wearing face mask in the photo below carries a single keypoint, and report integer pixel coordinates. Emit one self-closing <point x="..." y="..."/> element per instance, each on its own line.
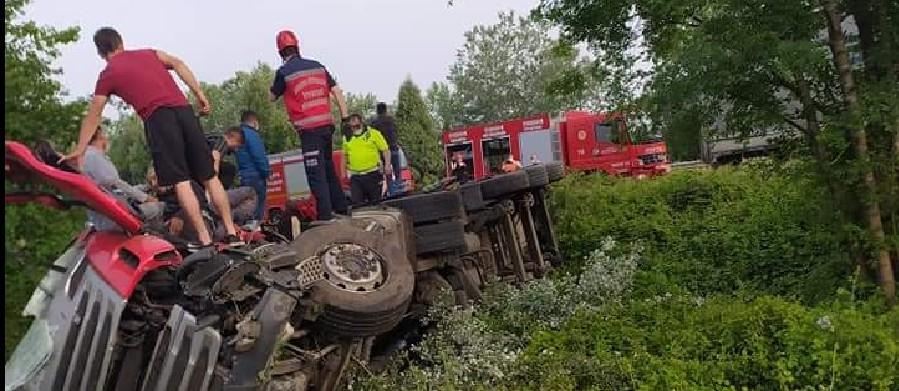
<point x="99" y="168"/>
<point x="364" y="149"/>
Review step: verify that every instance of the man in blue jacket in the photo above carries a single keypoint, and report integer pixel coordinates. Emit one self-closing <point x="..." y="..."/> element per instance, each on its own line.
<point x="252" y="161"/>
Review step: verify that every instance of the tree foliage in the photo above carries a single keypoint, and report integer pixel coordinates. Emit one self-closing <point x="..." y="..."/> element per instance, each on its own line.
<point x="714" y="73"/>
<point x="249" y="90"/>
<point x="34" y="109"/>
<point x="417" y="135"/>
<point x="508" y="69"/>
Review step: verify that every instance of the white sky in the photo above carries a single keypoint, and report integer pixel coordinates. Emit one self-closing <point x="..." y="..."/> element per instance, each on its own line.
<point x="369" y="45"/>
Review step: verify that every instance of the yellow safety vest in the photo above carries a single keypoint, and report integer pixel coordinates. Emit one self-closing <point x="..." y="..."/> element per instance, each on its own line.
<point x="363" y="152"/>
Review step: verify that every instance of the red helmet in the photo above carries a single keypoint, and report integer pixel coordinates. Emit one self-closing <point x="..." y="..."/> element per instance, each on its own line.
<point x="286" y="38"/>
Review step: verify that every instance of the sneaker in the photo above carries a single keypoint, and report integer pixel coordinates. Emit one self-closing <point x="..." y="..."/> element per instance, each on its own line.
<point x="197" y="248"/>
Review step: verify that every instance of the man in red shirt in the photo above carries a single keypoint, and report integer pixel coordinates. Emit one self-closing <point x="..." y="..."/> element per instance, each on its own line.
<point x="307" y="88"/>
<point x="178" y="146"/>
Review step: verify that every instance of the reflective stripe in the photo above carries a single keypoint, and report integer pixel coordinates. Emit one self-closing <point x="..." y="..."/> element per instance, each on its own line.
<point x="324" y="119"/>
<point x="305" y="72"/>
<point x="314" y="102"/>
<point x="364" y="172"/>
<point x="311" y="153"/>
<point x="310" y="81"/>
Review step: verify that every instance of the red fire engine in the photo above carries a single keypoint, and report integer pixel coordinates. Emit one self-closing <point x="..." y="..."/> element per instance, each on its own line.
<point x="581" y="140"/>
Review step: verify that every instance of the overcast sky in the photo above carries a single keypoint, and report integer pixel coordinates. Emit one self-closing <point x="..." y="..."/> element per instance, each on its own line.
<point x="369" y="45"/>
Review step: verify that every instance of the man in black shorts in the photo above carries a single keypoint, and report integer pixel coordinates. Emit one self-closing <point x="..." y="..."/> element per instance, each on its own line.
<point x="180" y="154"/>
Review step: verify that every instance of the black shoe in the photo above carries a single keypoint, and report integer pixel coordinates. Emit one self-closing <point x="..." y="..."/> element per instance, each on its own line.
<point x="233" y="241"/>
<point x="197" y="248"/>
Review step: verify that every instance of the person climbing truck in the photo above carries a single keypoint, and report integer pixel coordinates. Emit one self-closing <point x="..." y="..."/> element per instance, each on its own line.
<point x="177" y="144"/>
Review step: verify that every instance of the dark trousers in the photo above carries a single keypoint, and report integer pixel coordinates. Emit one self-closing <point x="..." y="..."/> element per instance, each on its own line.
<point x="395" y="162"/>
<point x="259" y="185"/>
<point x="317" y="149"/>
<point x="366" y="188"/>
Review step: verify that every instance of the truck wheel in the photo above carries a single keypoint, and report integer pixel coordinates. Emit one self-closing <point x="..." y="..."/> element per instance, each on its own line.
<point x="424" y="208"/>
<point x="537" y="175"/>
<point x="502" y="185"/>
<point x="368" y="280"/>
<point x="555" y="171"/>
<point x="472" y="198"/>
<point x="441" y="237"/>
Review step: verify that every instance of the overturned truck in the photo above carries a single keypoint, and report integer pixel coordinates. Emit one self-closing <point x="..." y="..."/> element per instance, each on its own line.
<point x="128" y="310"/>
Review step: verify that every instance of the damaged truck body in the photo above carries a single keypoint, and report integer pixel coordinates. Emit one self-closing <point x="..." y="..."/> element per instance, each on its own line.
<point x="129" y="310"/>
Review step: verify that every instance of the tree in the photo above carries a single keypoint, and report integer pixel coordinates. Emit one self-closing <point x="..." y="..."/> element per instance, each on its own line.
<point x="128" y="147"/>
<point x="250" y="91"/>
<point x="34" y="109"/>
<point x="416" y="133"/>
<point x="34" y="106"/>
<point x="443" y="105"/>
<point x="506" y="70"/>
<point x="780" y="74"/>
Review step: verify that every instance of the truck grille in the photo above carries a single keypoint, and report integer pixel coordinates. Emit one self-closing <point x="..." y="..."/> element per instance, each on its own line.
<point x="82" y="361"/>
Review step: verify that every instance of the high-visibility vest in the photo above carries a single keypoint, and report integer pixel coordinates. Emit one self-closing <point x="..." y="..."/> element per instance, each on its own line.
<point x="308" y="98"/>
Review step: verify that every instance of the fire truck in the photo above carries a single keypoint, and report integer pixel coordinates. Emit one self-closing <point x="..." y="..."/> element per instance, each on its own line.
<point x="289" y="196"/>
<point x="582" y="141"/>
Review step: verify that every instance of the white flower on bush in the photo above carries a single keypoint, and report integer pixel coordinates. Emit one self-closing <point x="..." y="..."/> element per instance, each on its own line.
<point x="824" y="323"/>
<point x="466" y="351"/>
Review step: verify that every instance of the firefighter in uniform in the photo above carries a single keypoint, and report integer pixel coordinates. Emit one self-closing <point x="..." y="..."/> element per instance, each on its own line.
<point x="364" y="148"/>
<point x="307" y="88"/>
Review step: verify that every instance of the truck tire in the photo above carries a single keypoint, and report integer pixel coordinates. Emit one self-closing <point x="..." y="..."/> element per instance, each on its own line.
<point x="429" y="207"/>
<point x="442" y="237"/>
<point x="505" y="184"/>
<point x="555" y="171"/>
<point x="537" y="175"/>
<point x="472" y="198"/>
<point x="358" y="313"/>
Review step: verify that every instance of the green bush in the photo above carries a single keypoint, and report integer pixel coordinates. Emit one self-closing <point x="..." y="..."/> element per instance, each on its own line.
<point x="747" y="229"/>
<point x="680" y="343"/>
<point x="34" y="237"/>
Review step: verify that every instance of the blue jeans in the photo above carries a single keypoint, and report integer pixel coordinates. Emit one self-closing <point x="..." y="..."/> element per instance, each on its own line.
<point x="260" y="186"/>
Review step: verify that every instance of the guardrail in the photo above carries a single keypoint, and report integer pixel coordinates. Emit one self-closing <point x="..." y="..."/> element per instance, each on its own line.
<point x="690" y="165"/>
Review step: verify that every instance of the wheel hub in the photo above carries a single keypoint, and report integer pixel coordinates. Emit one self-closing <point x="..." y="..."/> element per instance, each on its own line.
<point x="353" y="267"/>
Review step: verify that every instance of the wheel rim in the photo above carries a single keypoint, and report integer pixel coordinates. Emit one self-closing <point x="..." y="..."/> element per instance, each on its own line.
<point x="353" y="268"/>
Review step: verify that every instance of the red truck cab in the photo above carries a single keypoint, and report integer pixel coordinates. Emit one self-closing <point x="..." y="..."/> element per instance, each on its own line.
<point x="583" y="141"/>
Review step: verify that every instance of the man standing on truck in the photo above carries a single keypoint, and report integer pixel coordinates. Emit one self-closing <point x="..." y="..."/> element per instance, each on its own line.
<point x="307" y="88"/>
<point x="385" y="124"/>
<point x="180" y="154"/>
<point x="252" y="161"/>
<point x="363" y="149"/>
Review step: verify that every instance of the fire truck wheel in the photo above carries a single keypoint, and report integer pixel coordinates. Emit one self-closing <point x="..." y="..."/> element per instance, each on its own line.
<point x="429" y="207"/>
<point x="555" y="171"/>
<point x="369" y="280"/>
<point x="442" y="237"/>
<point x="472" y="198"/>
<point x="501" y="185"/>
<point x="537" y="175"/>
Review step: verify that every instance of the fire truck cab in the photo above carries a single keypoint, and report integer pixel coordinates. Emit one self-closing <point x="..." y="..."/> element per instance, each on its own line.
<point x="581" y="140"/>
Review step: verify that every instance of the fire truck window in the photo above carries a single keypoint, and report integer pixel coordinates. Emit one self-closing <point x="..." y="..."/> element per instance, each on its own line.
<point x="467" y="156"/>
<point x="607" y="132"/>
<point x="295" y="178"/>
<point x="495" y="152"/>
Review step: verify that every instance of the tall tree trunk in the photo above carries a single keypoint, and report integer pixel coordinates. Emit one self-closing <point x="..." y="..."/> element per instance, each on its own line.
<point x="860" y="144"/>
